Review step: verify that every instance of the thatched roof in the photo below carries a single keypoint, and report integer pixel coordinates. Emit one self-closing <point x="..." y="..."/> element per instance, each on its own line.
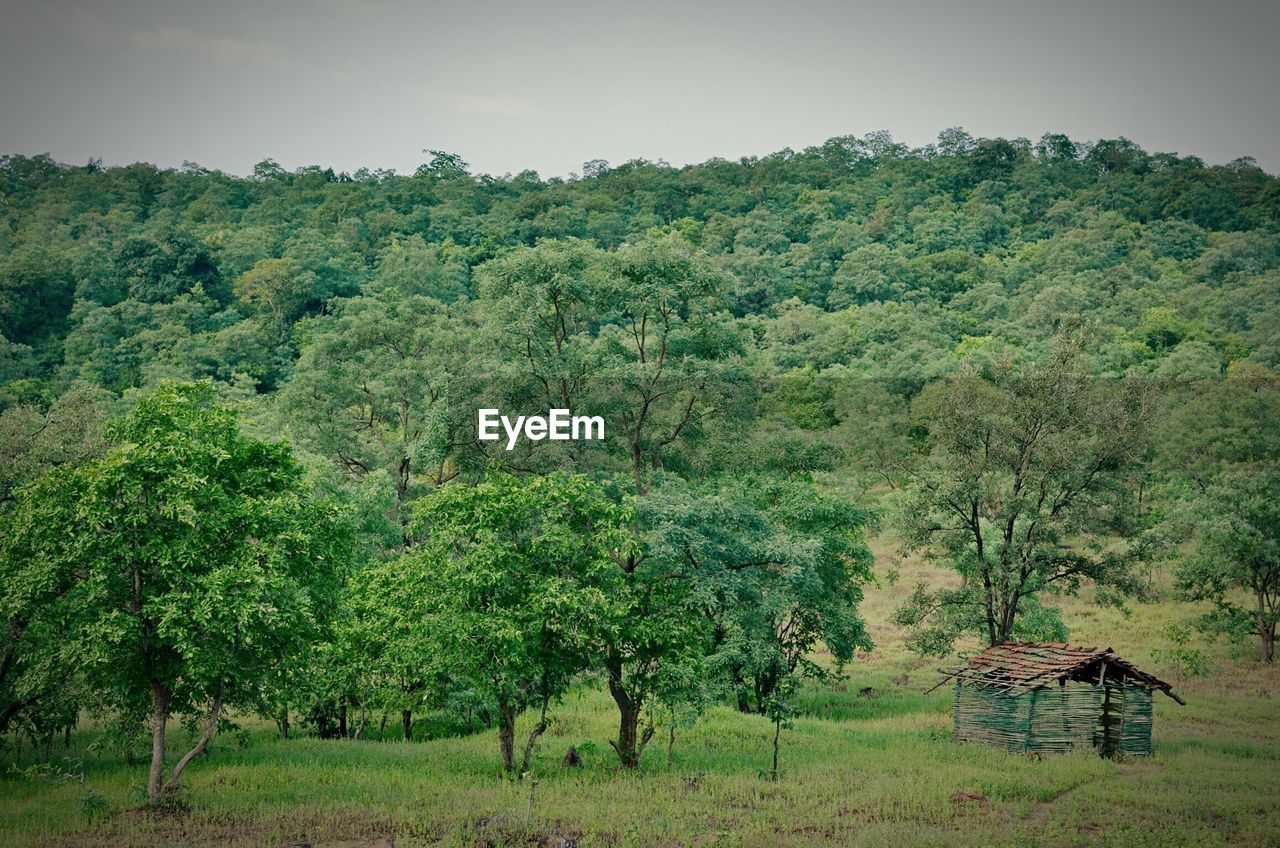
<point x="1019" y="667"/>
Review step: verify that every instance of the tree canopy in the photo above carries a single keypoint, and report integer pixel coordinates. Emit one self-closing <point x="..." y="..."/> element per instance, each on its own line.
<point x="1044" y="365"/>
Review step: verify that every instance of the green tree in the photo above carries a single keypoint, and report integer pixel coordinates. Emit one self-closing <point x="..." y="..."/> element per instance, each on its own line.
<point x="159" y="271"/>
<point x="871" y="272"/>
<point x="543" y="304"/>
<point x="734" y="587"/>
<point x="1238" y="534"/>
<point x="443" y="166"/>
<point x="518" y="584"/>
<point x="36" y="291"/>
<point x="387" y="642"/>
<point x="1022" y="480"/>
<point x="1220" y="447"/>
<point x="184" y="564"/>
<point x="278" y="286"/>
<point x="34" y="440"/>
<point x="810" y="596"/>
<point x="1237" y="525"/>
<point x="381" y="388"/>
<point x="659" y="635"/>
<point x="667" y="361"/>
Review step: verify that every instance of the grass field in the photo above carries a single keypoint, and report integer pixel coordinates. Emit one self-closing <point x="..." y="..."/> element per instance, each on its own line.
<point x="875" y="769"/>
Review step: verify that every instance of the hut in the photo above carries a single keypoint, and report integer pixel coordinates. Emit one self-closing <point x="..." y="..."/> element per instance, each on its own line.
<point x="1050" y="697"/>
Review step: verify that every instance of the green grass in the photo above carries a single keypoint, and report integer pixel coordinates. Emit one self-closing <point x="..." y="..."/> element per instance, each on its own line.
<point x="868" y="770"/>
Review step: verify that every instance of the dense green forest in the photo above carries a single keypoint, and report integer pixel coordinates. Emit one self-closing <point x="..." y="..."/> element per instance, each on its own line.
<point x="240" y="473"/>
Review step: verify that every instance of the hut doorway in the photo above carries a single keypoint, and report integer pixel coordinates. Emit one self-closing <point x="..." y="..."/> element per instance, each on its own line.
<point x="1110" y="721"/>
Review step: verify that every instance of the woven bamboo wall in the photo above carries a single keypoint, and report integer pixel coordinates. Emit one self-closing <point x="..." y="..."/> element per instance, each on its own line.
<point x="985" y="714"/>
<point x="1052" y="719"/>
<point x="1063" y="718"/>
<point x="1135" y="722"/>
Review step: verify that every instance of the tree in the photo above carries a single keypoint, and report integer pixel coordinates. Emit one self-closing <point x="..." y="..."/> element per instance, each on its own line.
<point x="160" y="271"/>
<point x="380" y="389"/>
<point x="733" y="585"/>
<point x="280" y="286"/>
<point x="544" y="304"/>
<point x="33" y="683"/>
<point x="658" y="635"/>
<point x="36" y="291"/>
<point x="869" y="273"/>
<point x="415" y="267"/>
<point x="811" y="596"/>
<point x="184" y="563"/>
<point x="443" y="166"/>
<point x="35" y="669"/>
<point x="1020" y="481"/>
<point x="517" y="585"/>
<point x="780" y="709"/>
<point x="1214" y="425"/>
<point x="35" y="440"/>
<point x="662" y="365"/>
<point x="389" y="635"/>
<point x="1238" y="529"/>
<point x="667" y="359"/>
<point x="1220" y="445"/>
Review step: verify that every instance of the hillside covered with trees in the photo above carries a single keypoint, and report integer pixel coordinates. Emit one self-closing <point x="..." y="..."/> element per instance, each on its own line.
<point x="240" y="473"/>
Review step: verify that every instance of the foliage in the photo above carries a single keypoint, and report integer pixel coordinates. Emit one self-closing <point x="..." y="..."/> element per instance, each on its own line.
<point x="1185" y="660"/>
<point x="779" y="346"/>
<point x="1239" y="534"/>
<point x="518" y="586"/>
<point x="1220" y="451"/>
<point x="1024" y="478"/>
<point x="177" y="570"/>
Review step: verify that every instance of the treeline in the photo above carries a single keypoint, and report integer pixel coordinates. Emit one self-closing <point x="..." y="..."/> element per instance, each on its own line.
<point x="238" y="425"/>
<point x="121" y="276"/>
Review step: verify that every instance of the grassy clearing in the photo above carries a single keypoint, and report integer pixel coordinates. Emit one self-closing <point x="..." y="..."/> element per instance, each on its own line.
<point x="867" y="769"/>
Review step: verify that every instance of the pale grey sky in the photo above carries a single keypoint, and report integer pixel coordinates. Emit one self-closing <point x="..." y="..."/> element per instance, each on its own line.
<point x="516" y="85"/>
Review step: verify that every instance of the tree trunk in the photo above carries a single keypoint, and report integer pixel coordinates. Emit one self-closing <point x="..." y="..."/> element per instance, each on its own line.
<point x="741" y="692"/>
<point x="637" y="466"/>
<point x="630" y="742"/>
<point x="1009" y="610"/>
<point x="507" y="734"/>
<point x="364" y="716"/>
<point x="1266" y="629"/>
<point x="406" y="722"/>
<point x="539" y="729"/>
<point x="766" y="681"/>
<point x="777" y="732"/>
<point x="283" y="722"/>
<point x="628" y="738"/>
<point x="11" y="711"/>
<point x="342" y="719"/>
<point x="161" y="697"/>
<point x="628" y="716"/>
<point x="322" y="721"/>
<point x="210" y="728"/>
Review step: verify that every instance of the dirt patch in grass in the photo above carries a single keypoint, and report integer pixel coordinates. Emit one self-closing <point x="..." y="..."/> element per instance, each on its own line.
<point x="143" y="827"/>
<point x="1041" y="810"/>
<point x="498" y="831"/>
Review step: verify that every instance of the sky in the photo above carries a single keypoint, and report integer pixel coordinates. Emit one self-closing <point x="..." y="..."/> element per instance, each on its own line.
<point x="513" y="86"/>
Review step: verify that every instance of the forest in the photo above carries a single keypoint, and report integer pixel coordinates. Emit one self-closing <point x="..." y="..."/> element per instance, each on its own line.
<point x="859" y="401"/>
